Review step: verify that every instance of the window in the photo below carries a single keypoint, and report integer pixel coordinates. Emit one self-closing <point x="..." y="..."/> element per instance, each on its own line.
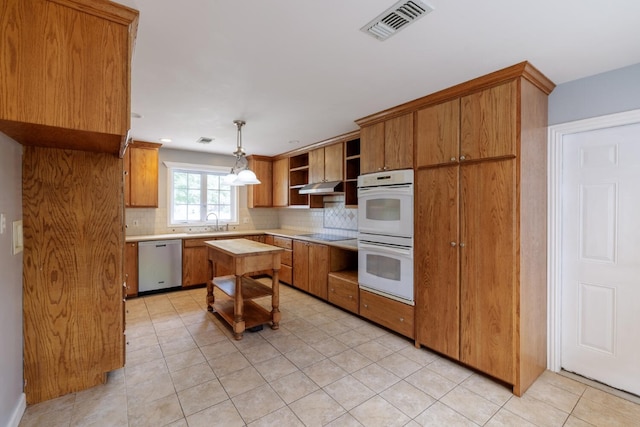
<point x="197" y="192"/>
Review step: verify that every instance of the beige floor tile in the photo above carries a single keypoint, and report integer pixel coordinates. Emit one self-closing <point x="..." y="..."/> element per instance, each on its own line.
<point x="407" y="398"/>
<point x="601" y="414"/>
<point x="431" y="383"/>
<point x="176" y="362"/>
<point x="209" y="337"/>
<point x="450" y="370"/>
<point x="178" y="346"/>
<point x="351" y="361"/>
<point x="166" y="336"/>
<point x="142" y="371"/>
<point x="139" y="329"/>
<point x="373" y="350"/>
<point x="562" y="382"/>
<point x="153" y="388"/>
<point x="249" y="339"/>
<point x="304" y="356"/>
<point x="191" y="376"/>
<point x="324" y="372"/>
<point x="312" y="335"/>
<point x="535" y="411"/>
<point x="371" y="330"/>
<point x="257" y="403"/>
<point x="260" y="352"/>
<point x="376" y="377"/>
<point x="283" y="417"/>
<point x="395" y="342"/>
<point x="180" y="423"/>
<point x="141" y="341"/>
<point x="504" y="418"/>
<point x="229" y="363"/>
<point x="241" y="381"/>
<point x="352" y="338"/>
<point x="275" y="368"/>
<point x="419" y="355"/>
<point x="144" y="355"/>
<point x="349" y="392"/>
<point x="619" y="404"/>
<point x="201" y="396"/>
<point x="317" y="409"/>
<point x="286" y="343"/>
<point x="439" y="414"/>
<point x="377" y="412"/>
<point x="58" y="417"/>
<point x="329" y="347"/>
<point x="167" y="324"/>
<point x="113" y="386"/>
<point x="471" y="405"/>
<point x="488" y="389"/>
<point x="345" y="420"/>
<point x="107" y="410"/>
<point x="399" y="365"/>
<point x="221" y="348"/>
<point x="335" y="327"/>
<point x="156" y="413"/>
<point x="554" y="396"/>
<point x="573" y="421"/>
<point x="223" y="414"/>
<point x="294" y="386"/>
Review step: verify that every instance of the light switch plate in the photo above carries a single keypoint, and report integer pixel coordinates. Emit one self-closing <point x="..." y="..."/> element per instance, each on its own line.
<point x="18" y="244"/>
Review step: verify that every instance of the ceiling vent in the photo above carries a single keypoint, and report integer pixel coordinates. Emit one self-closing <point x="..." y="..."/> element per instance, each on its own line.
<point x="397" y="17"/>
<point x="204" y="140"/>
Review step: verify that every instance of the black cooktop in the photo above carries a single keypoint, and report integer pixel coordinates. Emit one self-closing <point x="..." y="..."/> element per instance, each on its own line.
<point x="326" y="237"/>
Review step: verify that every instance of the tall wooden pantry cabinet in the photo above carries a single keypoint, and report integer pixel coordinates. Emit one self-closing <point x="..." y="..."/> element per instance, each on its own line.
<point x="481" y="207"/>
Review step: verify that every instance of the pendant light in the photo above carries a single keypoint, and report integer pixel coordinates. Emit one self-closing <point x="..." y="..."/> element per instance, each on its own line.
<point x="240" y="173"/>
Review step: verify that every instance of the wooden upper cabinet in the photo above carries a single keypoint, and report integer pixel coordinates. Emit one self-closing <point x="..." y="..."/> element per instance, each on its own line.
<point x="141" y="180"/>
<point x="260" y="195"/>
<point x="387" y="145"/>
<point x="327" y="163"/>
<point x="66" y="78"/>
<point x="488" y="122"/>
<point x="280" y="182"/>
<point x="438" y="134"/>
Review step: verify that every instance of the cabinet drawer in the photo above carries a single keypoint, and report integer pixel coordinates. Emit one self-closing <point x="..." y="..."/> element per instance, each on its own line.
<point x="343" y="293"/>
<point x="286" y="274"/>
<point x="286" y="257"/>
<point x="387" y="312"/>
<point x="194" y="243"/>
<point x="282" y="242"/>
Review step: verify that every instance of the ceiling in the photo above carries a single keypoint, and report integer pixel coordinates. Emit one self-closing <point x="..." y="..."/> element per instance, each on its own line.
<point x="300" y="71"/>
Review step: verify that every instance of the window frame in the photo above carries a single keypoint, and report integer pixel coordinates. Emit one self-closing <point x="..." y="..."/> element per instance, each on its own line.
<point x="201" y="169"/>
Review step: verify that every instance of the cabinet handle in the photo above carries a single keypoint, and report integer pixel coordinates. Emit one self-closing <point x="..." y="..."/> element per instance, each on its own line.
<point x="462" y="245"/>
<point x="463" y="158"/>
<point x="453" y="159"/>
<point x="351" y="297"/>
<point x="453" y="244"/>
<point x="366" y="306"/>
<point x="333" y="290"/>
<point x="402" y="319"/>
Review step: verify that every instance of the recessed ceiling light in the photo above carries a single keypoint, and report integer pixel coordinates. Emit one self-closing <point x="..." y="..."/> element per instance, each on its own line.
<point x="165" y="139"/>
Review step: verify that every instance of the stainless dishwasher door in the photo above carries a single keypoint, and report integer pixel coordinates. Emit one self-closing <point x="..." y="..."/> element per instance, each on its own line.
<point x="159" y="265"/>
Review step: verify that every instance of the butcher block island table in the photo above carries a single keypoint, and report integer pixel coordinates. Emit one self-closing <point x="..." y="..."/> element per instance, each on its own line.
<point x="244" y="257"/>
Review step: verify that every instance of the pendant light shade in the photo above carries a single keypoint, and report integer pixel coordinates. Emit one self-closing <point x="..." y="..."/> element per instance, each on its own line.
<point x="240" y="173"/>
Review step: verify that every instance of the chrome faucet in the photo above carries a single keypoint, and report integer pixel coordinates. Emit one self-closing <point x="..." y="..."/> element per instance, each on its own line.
<point x="216" y="215"/>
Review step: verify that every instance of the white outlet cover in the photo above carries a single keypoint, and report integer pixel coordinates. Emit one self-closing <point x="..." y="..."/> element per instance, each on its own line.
<point x="18" y="242"/>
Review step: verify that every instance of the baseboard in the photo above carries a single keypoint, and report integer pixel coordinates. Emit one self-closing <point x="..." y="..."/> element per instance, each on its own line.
<point x="18" y="412"/>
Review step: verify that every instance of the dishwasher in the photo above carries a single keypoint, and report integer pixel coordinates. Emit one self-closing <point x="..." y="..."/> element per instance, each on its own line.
<point x="159" y="265"/>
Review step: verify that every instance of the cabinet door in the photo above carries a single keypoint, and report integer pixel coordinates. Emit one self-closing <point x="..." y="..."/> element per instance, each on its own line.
<point x="316" y="165"/>
<point x="281" y="182"/>
<point x="318" y="261"/>
<point x="195" y="266"/>
<point x="334" y="162"/>
<point x="301" y="265"/>
<point x="437" y="260"/>
<point x="131" y="268"/>
<point x="144" y="177"/>
<point x="372" y="148"/>
<point x="398" y="142"/>
<point x="127" y="177"/>
<point x="438" y="134"/>
<point x="488" y="122"/>
<point x="488" y="267"/>
<point x="260" y="195"/>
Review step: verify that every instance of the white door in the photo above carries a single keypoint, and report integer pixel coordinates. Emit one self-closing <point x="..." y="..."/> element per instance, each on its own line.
<point x="601" y="255"/>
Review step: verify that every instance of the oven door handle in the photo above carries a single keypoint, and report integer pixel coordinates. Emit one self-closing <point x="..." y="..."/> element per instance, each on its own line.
<point x="392" y="190"/>
<point x="385" y="249"/>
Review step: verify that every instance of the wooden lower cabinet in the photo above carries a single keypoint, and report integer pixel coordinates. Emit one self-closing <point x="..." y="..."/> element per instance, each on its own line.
<point x="389" y="313"/>
<point x="131" y="268"/>
<point x="311" y="267"/>
<point x="286" y="258"/>
<point x="343" y="290"/>
<point x="195" y="262"/>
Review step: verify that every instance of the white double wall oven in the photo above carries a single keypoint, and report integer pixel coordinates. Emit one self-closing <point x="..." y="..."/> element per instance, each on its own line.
<point x="385" y="234"/>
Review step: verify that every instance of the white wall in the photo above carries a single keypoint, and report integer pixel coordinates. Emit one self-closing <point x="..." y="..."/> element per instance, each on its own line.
<point x="11" y="372"/>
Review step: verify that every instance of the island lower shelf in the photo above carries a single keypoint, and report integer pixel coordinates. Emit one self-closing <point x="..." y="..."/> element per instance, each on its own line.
<point x="253" y="313"/>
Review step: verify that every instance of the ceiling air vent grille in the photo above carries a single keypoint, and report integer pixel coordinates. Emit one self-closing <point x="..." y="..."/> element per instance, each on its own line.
<point x="395" y="18"/>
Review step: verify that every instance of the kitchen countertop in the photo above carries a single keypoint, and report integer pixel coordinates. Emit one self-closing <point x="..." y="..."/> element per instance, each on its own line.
<point x="348" y="244"/>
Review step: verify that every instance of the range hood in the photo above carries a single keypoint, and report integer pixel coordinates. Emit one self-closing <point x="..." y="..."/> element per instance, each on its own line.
<point x="322" y="188"/>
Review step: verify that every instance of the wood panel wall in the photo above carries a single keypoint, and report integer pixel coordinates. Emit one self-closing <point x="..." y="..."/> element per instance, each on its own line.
<point x="73" y="270"/>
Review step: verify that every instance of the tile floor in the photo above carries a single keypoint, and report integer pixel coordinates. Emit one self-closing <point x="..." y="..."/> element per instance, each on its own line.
<point x="322" y="367"/>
